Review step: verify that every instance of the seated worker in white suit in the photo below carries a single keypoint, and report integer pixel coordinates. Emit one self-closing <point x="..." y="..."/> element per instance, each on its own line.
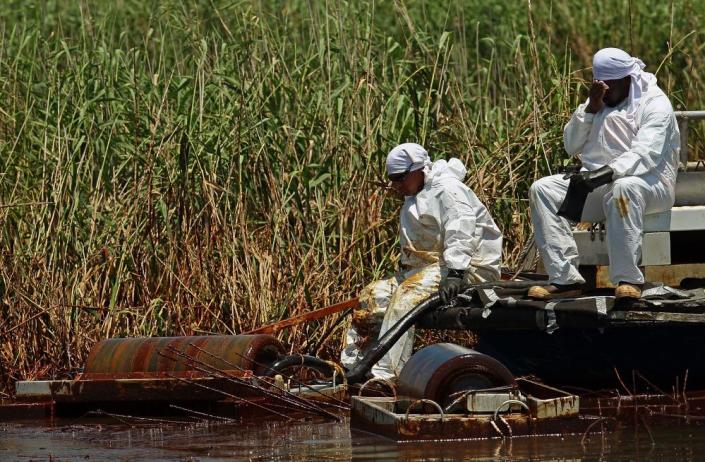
<point x="627" y="138"/>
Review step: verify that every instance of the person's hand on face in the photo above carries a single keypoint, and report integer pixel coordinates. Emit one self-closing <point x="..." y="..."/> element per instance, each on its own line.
<point x="596" y="95"/>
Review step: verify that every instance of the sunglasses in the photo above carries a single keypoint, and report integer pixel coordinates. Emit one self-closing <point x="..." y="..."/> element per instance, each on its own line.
<point x="398" y="177"/>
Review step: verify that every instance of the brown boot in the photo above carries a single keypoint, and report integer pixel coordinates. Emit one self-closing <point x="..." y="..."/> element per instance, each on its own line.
<point x="552" y="291"/>
<point x="628" y="290"/>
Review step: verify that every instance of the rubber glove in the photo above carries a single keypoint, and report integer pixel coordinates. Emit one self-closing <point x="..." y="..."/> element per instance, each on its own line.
<point x="451" y="285"/>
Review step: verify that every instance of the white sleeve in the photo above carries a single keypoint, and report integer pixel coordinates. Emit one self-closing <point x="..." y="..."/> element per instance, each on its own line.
<point x="649" y="147"/>
<point x="458" y="221"/>
<point x="577" y="130"/>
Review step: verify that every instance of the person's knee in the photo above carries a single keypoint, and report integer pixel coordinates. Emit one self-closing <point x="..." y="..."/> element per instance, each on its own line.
<point x="376" y="295"/>
<point x="538" y="189"/>
<point x="625" y="196"/>
<point x="625" y="187"/>
<point x="406" y="298"/>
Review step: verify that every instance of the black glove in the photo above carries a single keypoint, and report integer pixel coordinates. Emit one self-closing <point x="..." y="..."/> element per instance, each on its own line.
<point x="451" y="285"/>
<point x="582" y="184"/>
<point x="592" y="179"/>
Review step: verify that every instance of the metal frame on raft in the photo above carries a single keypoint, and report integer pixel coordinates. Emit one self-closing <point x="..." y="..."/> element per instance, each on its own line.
<point x="203" y="375"/>
<point x="549" y="412"/>
<point x="526" y="409"/>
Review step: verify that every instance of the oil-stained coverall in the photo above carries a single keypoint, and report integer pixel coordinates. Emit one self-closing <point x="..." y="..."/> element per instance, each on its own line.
<point x="443" y="226"/>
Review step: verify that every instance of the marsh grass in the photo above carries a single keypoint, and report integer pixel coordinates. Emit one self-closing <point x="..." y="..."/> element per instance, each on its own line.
<point x="177" y="168"/>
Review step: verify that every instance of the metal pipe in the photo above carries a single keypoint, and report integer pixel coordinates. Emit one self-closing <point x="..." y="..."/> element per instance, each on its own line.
<point x="683" y="129"/>
<point x="694" y="115"/>
<point x="129" y="355"/>
<point x="683" y="117"/>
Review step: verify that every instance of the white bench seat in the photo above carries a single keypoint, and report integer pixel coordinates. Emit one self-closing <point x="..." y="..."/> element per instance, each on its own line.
<point x="656" y="245"/>
<point x="690" y="218"/>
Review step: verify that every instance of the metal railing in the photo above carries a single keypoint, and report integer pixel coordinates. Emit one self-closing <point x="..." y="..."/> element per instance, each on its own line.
<point x="683" y="118"/>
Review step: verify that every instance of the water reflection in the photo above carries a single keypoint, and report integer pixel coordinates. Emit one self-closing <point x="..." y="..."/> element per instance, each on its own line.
<point x="272" y="440"/>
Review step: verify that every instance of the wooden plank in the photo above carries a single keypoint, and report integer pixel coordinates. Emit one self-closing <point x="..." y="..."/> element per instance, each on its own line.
<point x="670" y="275"/>
<point x="310" y="316"/>
<point x="165" y="389"/>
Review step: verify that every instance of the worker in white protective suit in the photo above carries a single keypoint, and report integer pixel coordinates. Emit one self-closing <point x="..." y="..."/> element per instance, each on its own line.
<point x="448" y="239"/>
<point x="627" y="138"/>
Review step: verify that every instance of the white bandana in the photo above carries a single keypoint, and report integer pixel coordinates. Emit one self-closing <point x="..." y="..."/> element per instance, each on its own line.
<point x="613" y="64"/>
<point x="407" y="157"/>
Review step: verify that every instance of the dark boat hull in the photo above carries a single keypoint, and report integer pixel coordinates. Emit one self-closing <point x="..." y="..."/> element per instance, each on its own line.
<point x="657" y="353"/>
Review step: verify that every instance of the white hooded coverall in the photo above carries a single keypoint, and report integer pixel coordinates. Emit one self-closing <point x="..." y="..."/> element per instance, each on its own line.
<point x="639" y="140"/>
<point x="444" y="226"/>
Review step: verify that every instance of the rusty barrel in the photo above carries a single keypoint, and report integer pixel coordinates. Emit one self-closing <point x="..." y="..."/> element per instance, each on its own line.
<point x="130" y="356"/>
<point x="438" y="371"/>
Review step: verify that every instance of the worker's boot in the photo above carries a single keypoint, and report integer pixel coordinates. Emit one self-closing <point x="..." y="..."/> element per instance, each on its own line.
<point x="628" y="290"/>
<point x="552" y="291"/>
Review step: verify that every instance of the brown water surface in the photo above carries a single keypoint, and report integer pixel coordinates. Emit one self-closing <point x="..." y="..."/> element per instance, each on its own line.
<point x="316" y="440"/>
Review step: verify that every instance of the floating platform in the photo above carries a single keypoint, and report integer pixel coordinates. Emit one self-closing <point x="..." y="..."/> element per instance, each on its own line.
<point x="219" y="376"/>
<point x="527" y="409"/>
<point x="587" y="341"/>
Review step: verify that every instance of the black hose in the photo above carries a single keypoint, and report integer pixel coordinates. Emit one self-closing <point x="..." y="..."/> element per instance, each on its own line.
<point x="384" y="344"/>
<point x="297" y="360"/>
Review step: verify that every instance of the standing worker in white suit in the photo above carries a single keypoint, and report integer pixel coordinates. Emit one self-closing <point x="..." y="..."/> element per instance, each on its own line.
<point x="448" y="239"/>
<point x="627" y="138"/>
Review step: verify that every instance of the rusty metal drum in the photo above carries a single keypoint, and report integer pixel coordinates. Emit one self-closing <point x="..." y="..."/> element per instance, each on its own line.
<point x="129" y="356"/>
<point x="438" y="371"/>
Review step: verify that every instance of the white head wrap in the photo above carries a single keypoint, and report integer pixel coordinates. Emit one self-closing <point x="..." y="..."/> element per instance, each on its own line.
<point x="407" y="157"/>
<point x="613" y="64"/>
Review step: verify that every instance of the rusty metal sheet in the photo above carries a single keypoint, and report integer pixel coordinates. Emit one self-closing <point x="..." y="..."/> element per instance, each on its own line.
<point x="545" y="401"/>
<point x="382" y="416"/>
<point x="488" y="403"/>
